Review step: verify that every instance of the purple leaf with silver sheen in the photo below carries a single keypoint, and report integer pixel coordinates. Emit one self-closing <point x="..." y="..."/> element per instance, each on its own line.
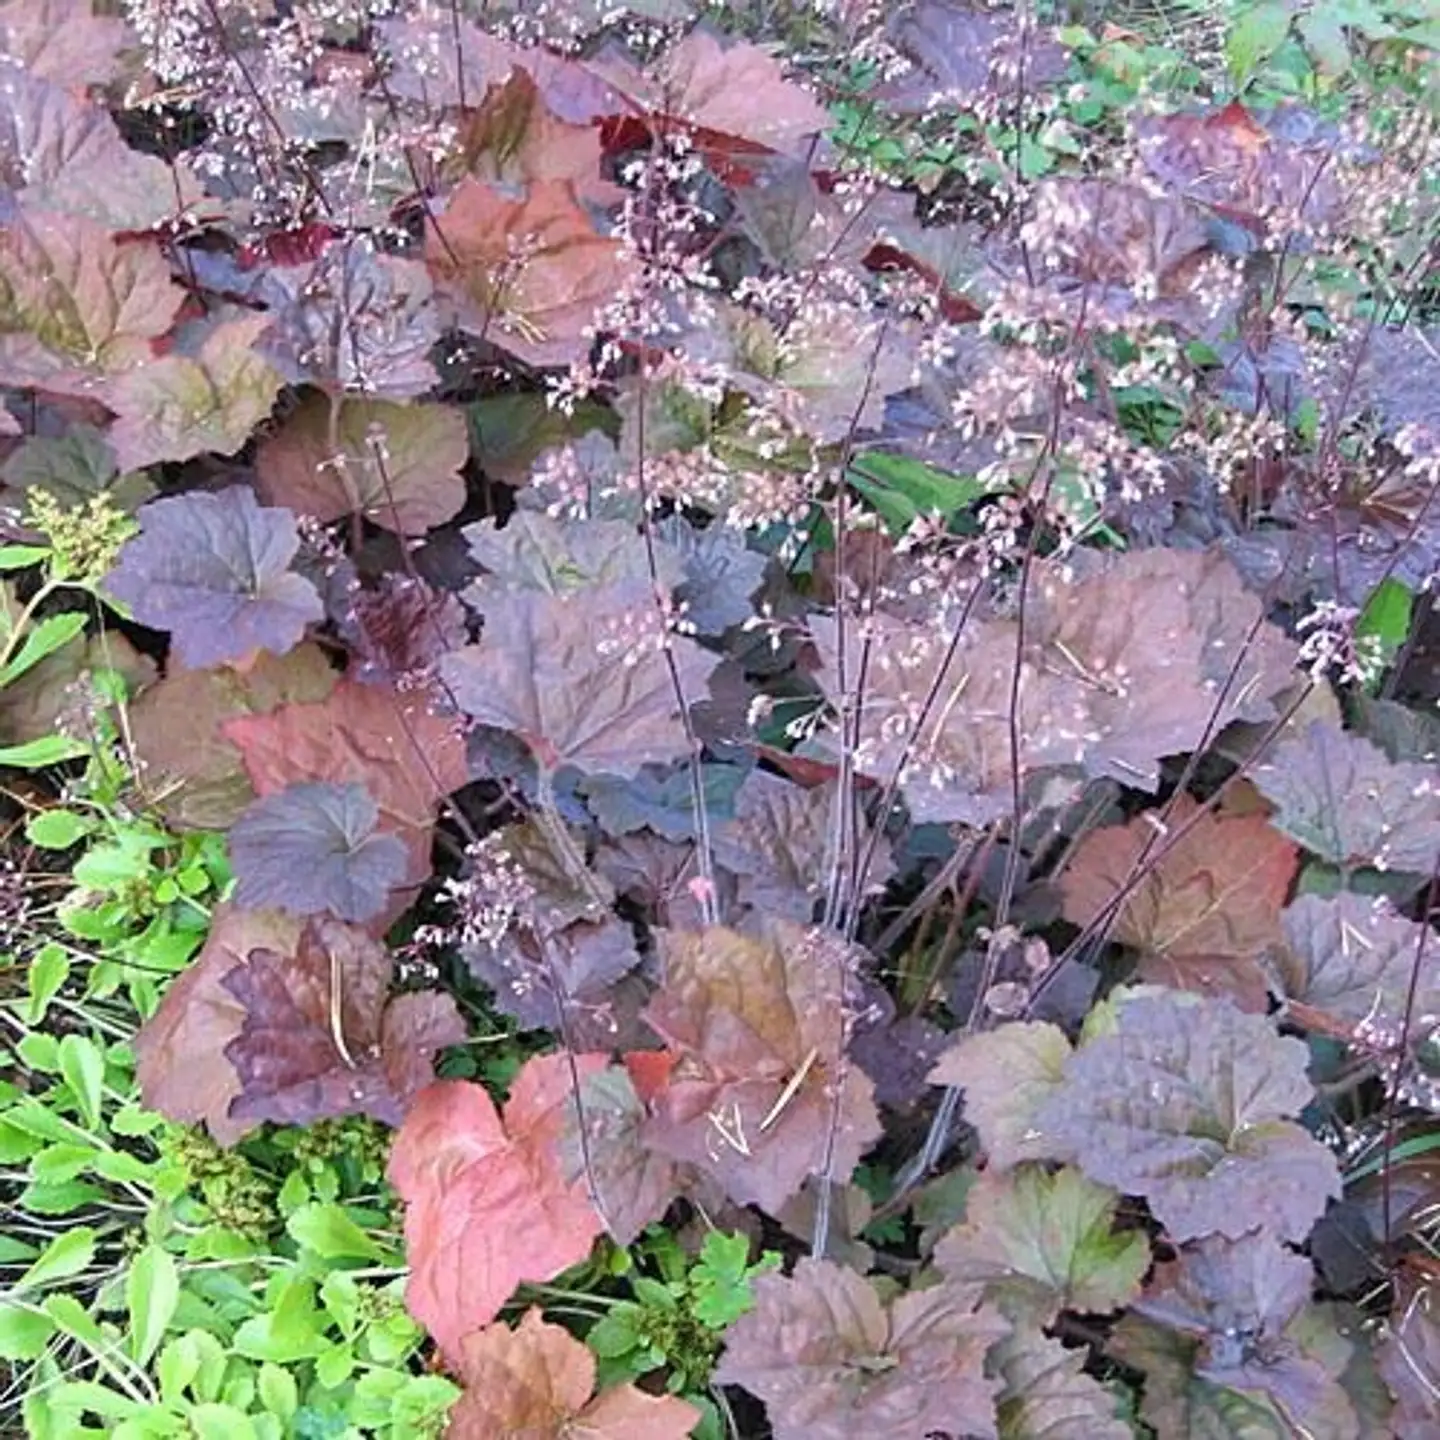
<point x="312" y="848"/>
<point x="214" y="570"/>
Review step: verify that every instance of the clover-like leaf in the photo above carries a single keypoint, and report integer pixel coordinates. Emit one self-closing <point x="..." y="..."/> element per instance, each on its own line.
<point x="180" y="1059"/>
<point x="1205" y="912"/>
<point x="831" y="1361"/>
<point x="1185" y="1102"/>
<point x="397" y="465"/>
<point x="313" y="848"/>
<point x="1349" y="956"/>
<point x="1007" y="1074"/>
<point x="319" y="1037"/>
<point x="537" y="1381"/>
<point x="1345" y="801"/>
<point x="406" y="757"/>
<point x="1047" y="1395"/>
<point x="214" y="570"/>
<point x="529" y="274"/>
<point x="487" y="1205"/>
<point x="208" y="393"/>
<point x="75" y="304"/>
<point x="583" y="679"/>
<point x="1043" y="1243"/>
<point x="761" y="1079"/>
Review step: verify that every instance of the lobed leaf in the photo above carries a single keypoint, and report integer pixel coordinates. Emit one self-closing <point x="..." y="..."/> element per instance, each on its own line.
<point x="214" y="570"/>
<point x="1185" y="1104"/>
<point x="319" y="1037"/>
<point x="311" y="849"/>
<point x="761" y="1095"/>
<point x="472" y="1183"/>
<point x="831" y="1361"/>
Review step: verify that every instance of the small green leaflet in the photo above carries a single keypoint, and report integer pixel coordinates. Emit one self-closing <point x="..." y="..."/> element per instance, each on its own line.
<point x="1386" y="618"/>
<point x="1257" y="34"/>
<point x="902" y="489"/>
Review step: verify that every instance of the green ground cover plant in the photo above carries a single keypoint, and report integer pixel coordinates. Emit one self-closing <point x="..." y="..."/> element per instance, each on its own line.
<point x="719" y="720"/>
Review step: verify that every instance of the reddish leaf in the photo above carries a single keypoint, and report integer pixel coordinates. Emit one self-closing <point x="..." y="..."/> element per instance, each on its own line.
<point x="400" y="629"/>
<point x="180" y="1051"/>
<point x="528" y="274"/>
<point x="633" y="1184"/>
<point x="756" y="1022"/>
<point x="831" y="1362"/>
<point x="735" y="98"/>
<point x="515" y="138"/>
<point x="214" y="570"/>
<point x="64" y="40"/>
<point x="536" y="1382"/>
<point x="75" y="305"/>
<point x="60" y="153"/>
<point x="397" y="465"/>
<point x="406" y="757"/>
<point x="1206" y="914"/>
<point x="191" y="770"/>
<point x="320" y="1038"/>
<point x="487" y="1206"/>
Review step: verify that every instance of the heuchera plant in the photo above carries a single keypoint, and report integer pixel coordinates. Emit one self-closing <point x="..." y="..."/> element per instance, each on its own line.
<point x="866" y="650"/>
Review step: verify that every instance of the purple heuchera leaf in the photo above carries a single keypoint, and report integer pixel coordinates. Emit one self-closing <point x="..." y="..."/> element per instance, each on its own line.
<point x="320" y="1038"/>
<point x="1184" y="1102"/>
<point x="214" y="571"/>
<point x="312" y="848"/>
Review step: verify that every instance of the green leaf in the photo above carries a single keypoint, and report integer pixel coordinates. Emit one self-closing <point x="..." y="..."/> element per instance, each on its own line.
<point x="1386" y="618"/>
<point x="288" y="1332"/>
<point x="902" y="489"/>
<point x="1045" y="1243"/>
<point x="47" y="750"/>
<point x="1258" y="34"/>
<point x="21" y="557"/>
<point x="57" y="829"/>
<point x="44" y="639"/>
<point x="152" y="1291"/>
<point x="23" y="1333"/>
<point x="331" y="1233"/>
<point x="615" y="1333"/>
<point x="278" y="1392"/>
<point x="64" y="1256"/>
<point x="83" y="1067"/>
<point x="48" y="972"/>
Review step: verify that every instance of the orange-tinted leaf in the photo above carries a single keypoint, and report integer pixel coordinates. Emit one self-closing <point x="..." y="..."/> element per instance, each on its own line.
<point x="180" y="1051"/>
<point x="529" y="274"/>
<point x="515" y="138"/>
<point x="735" y="97"/>
<point x="535" y="1383"/>
<point x="759" y="1030"/>
<point x="191" y="770"/>
<point x="406" y="757"/>
<point x="1205" y="912"/>
<point x="487" y="1206"/>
